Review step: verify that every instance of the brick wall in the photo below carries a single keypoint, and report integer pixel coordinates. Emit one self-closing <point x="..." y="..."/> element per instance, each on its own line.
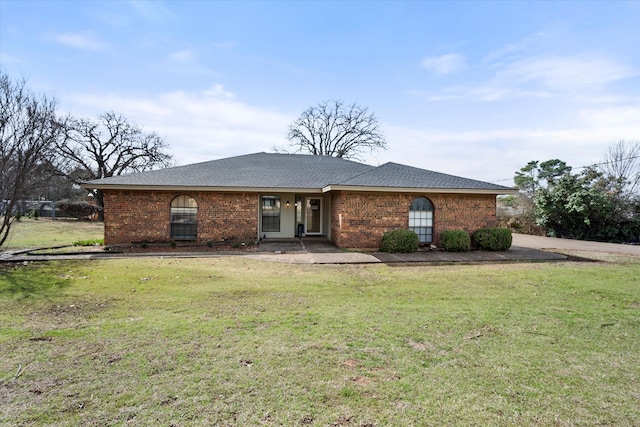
<point x="144" y="216"/>
<point x="358" y="220"/>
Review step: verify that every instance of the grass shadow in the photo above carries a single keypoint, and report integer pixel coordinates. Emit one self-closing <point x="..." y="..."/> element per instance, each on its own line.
<point x="25" y="282"/>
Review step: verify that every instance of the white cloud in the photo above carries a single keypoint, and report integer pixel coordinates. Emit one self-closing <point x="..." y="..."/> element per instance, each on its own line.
<point x="198" y="126"/>
<point x="181" y="55"/>
<point x="543" y="77"/>
<point x="449" y="63"/>
<point x="511" y="50"/>
<point x="78" y="41"/>
<point x="207" y="125"/>
<point x="154" y="11"/>
<point x="495" y="154"/>
<point x="227" y="45"/>
<point x="563" y="73"/>
<point x="9" y="59"/>
<point x="623" y="119"/>
<point x="219" y="91"/>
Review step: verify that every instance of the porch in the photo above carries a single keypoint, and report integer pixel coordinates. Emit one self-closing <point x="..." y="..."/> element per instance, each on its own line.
<point x="294" y="215"/>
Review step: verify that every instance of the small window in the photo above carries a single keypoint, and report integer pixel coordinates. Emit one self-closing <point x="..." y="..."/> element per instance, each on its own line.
<point x="271" y="214"/>
<point x="421" y="219"/>
<point x="184" y="218"/>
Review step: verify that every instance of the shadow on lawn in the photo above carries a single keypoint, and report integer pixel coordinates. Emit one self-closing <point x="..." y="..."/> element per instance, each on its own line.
<point x="27" y="282"/>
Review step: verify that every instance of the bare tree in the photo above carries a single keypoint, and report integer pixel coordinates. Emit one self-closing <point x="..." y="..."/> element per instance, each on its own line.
<point x="335" y="129"/>
<point x="109" y="146"/>
<point x="622" y="165"/>
<point x="28" y="133"/>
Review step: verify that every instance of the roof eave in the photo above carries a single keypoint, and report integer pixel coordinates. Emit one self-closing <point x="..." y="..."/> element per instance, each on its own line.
<point x="504" y="191"/>
<point x="130" y="187"/>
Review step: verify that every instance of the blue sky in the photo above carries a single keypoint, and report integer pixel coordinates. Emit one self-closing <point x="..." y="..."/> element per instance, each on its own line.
<point x="476" y="89"/>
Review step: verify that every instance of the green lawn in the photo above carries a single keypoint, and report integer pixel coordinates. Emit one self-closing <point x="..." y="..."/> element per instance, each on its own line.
<point x="41" y="233"/>
<point x="233" y="341"/>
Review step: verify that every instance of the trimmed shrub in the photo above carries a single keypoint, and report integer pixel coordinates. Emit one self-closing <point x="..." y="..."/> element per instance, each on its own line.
<point x="455" y="240"/>
<point x="400" y="241"/>
<point x="492" y="239"/>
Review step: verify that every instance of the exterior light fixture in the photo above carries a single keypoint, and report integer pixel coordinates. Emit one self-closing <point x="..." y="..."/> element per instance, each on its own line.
<point x="288" y="204"/>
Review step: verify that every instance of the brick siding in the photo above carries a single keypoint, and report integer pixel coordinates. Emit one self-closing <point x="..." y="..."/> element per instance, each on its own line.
<point x="144" y="216"/>
<point x="358" y="220"/>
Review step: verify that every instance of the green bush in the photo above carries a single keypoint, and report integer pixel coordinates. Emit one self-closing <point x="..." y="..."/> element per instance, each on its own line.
<point x="399" y="241"/>
<point x="455" y="241"/>
<point x="91" y="242"/>
<point x="492" y="239"/>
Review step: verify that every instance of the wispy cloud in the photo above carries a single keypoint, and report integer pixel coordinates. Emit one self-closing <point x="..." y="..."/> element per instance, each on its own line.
<point x="449" y="63"/>
<point x="9" y="59"/>
<point x="564" y="73"/>
<point x="83" y="41"/>
<point x="512" y="50"/>
<point x="542" y="76"/>
<point x="155" y="11"/>
<point x="182" y="55"/>
<point x="226" y="45"/>
<point x="218" y="91"/>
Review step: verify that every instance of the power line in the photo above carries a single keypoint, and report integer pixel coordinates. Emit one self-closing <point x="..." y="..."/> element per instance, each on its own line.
<point x="583" y="167"/>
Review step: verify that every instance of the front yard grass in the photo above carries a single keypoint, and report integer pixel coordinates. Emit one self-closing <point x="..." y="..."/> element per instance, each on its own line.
<point x="44" y="232"/>
<point x="233" y="341"/>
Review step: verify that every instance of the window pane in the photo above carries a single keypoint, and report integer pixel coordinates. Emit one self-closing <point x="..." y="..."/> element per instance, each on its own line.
<point x="421" y="219"/>
<point x="184" y="218"/>
<point x="421" y="204"/>
<point x="184" y="231"/>
<point x="270" y="214"/>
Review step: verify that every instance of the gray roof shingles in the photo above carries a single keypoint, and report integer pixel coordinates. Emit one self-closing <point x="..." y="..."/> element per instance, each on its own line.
<point x="396" y="175"/>
<point x="267" y="170"/>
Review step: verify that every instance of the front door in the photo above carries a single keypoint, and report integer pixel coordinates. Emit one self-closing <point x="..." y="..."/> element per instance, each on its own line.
<point x="313" y="215"/>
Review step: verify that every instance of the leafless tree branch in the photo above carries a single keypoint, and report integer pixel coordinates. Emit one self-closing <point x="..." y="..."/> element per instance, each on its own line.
<point x="335" y="129"/>
<point x="109" y="146"/>
<point x="28" y="133"/>
<point x="622" y="165"/>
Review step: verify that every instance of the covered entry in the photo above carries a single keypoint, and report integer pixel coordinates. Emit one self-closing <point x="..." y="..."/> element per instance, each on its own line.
<point x="286" y="215"/>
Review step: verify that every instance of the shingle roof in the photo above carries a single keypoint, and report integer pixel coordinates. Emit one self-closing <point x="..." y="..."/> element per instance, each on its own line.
<point x="267" y="170"/>
<point x="396" y="175"/>
<point x="261" y="170"/>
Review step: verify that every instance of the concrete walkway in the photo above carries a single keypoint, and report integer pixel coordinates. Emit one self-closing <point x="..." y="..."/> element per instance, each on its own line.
<point x="552" y="243"/>
<point x="309" y="250"/>
<point x="321" y="251"/>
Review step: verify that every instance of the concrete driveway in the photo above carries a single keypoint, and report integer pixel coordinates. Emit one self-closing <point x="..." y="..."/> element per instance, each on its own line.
<point x="550" y="243"/>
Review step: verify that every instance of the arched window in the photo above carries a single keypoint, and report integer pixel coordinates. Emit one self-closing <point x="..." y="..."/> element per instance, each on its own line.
<point x="184" y="218"/>
<point x="421" y="219"/>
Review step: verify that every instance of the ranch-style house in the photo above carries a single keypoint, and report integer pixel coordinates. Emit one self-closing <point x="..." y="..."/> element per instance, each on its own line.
<point x="266" y="196"/>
